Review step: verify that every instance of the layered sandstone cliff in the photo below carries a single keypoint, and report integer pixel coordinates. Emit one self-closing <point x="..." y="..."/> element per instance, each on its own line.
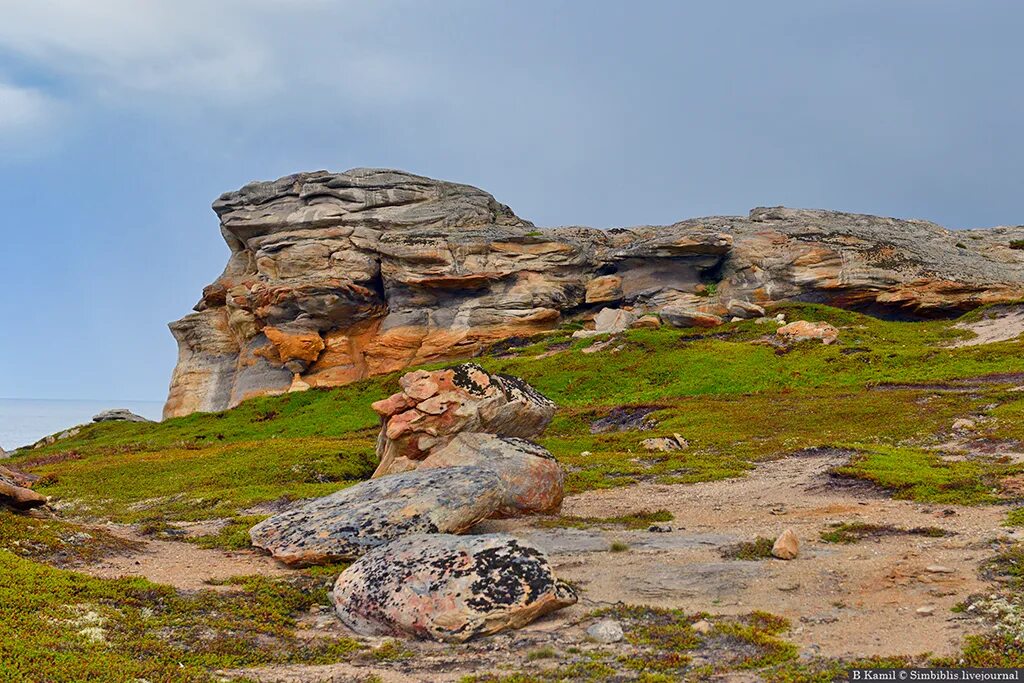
<point x="338" y="276"/>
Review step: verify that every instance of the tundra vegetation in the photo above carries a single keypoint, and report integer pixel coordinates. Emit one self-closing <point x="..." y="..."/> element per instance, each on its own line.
<point x="887" y="394"/>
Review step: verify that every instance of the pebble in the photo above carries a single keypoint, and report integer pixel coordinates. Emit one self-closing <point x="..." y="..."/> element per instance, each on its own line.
<point x="703" y="627"/>
<point x="606" y="631"/>
<point x="926" y="611"/>
<point x="939" y="569"/>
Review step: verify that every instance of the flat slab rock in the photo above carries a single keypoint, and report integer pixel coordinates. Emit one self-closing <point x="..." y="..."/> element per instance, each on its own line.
<point x="347" y="524"/>
<point x="448" y="588"/>
<point x="532" y="480"/>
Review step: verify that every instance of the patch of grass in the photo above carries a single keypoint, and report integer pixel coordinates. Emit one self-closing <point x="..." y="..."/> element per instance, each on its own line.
<point x="618" y="547"/>
<point x="60" y="626"/>
<point x="758" y="549"/>
<point x="635" y="520"/>
<point x="1016" y="244"/>
<point x="1007" y="564"/>
<point x="56" y="542"/>
<point x="855" y="532"/>
<point x="1015" y="517"/>
<point x="541" y="653"/>
<point x="922" y="476"/>
<point x="234" y="535"/>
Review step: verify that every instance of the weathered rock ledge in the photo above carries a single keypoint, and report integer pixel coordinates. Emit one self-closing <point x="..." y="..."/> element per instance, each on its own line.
<point x="334" y="277"/>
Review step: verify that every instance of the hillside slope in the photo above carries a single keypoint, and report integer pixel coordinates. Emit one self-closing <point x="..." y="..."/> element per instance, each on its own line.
<point x="862" y="446"/>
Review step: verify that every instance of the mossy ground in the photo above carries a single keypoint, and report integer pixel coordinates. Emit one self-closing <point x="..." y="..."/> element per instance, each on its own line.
<point x="887" y="391"/>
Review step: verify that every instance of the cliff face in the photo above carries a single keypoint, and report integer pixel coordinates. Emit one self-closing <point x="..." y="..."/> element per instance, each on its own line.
<point x="338" y="276"/>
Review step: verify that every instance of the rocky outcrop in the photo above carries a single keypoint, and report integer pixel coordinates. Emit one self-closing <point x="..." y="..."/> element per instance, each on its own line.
<point x="345" y="524"/>
<point x="448" y="588"/>
<point x="118" y="415"/>
<point x="802" y="330"/>
<point x="338" y="276"/>
<point x="432" y="407"/>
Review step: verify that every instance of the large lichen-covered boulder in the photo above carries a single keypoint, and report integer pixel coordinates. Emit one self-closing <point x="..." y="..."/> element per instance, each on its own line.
<point x="15" y="490"/>
<point x="448" y="588"/>
<point x="532" y="480"/>
<point x="345" y="524"/>
<point x="433" y="407"/>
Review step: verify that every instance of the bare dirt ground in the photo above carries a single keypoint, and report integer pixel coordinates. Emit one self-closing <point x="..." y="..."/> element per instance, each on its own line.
<point x="183" y="565"/>
<point x="886" y="596"/>
<point x="989" y="330"/>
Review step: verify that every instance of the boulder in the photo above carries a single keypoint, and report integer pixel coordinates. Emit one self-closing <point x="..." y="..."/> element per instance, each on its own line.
<point x="681" y="316"/>
<point x="345" y="524"/>
<point x="665" y="443"/>
<point x="802" y="330"/>
<point x="532" y="480"/>
<point x="118" y="415"/>
<point x="608" y="321"/>
<point x="15" y="490"/>
<point x="448" y="588"/>
<point x="744" y="309"/>
<point x="433" y="407"/>
<point x="786" y="546"/>
<point x="646" y="322"/>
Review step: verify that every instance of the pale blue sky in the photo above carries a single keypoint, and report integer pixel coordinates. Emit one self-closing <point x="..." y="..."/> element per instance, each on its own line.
<point x="121" y="120"/>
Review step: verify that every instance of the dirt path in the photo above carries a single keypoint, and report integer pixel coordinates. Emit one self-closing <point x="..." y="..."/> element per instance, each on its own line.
<point x="185" y="566"/>
<point x="843" y="599"/>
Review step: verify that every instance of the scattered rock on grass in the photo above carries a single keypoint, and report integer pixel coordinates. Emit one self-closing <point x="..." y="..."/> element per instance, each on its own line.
<point x="606" y="631"/>
<point x="448" y="588"/>
<point x="15" y="490"/>
<point x="665" y="443"/>
<point x="802" y="330"/>
<point x="118" y="415"/>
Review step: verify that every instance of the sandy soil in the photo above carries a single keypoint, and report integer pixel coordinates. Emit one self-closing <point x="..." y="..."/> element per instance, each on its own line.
<point x="1002" y="328"/>
<point x="182" y="565"/>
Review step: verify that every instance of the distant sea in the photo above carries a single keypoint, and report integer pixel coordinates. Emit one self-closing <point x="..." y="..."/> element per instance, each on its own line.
<point x="25" y="421"/>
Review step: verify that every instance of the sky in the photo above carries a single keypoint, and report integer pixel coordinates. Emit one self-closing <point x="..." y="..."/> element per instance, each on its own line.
<point x="122" y="120"/>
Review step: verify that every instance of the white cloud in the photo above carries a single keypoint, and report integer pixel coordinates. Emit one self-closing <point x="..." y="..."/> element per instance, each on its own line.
<point x="24" y="112"/>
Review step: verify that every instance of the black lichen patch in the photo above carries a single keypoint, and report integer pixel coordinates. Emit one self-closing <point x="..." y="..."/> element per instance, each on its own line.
<point x="462" y="377"/>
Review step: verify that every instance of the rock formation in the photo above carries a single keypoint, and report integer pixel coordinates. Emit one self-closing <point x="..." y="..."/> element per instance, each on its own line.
<point x="16" y="491"/>
<point x="118" y="415"/>
<point x="448" y="588"/>
<point x="433" y="407"/>
<point x="338" y="276"/>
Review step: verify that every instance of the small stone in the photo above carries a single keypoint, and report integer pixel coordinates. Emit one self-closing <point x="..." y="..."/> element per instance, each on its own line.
<point x="703" y="627"/>
<point x="647" y="322"/>
<point x="964" y="425"/>
<point x="789" y="587"/>
<point x="939" y="569"/>
<point x="585" y="454"/>
<point x="659" y="528"/>
<point x="606" y="631"/>
<point x="787" y="546"/>
<point x="926" y="610"/>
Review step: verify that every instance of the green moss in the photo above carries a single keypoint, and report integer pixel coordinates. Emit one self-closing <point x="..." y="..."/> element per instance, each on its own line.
<point x="854" y="532"/>
<point x="57" y="542"/>
<point x="758" y="549"/>
<point x="923" y="476"/>
<point x="61" y="626"/>
<point x="636" y="520"/>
